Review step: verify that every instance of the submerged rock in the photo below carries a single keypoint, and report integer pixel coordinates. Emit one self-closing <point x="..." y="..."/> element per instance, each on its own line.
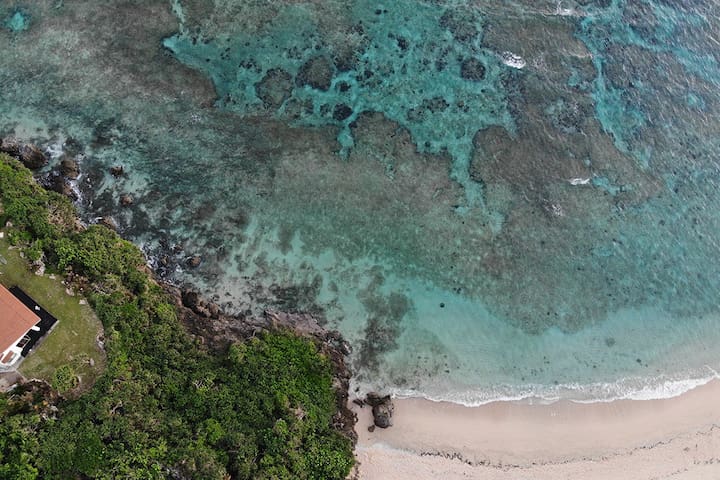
<point x="342" y="112"/>
<point x="72" y="147"/>
<point x="472" y="69"/>
<point x="274" y="88"/>
<point x="459" y="24"/>
<point x="316" y="72"/>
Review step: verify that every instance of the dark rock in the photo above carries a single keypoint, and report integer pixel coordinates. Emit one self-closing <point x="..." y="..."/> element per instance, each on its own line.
<point x="69" y="168"/>
<point x="382" y="408"/>
<point x="126" y="200"/>
<point x="374" y="398"/>
<point x="214" y="310"/>
<point x="403" y="44"/>
<point x="316" y="72"/>
<point x="194" y="261"/>
<point x="32" y="157"/>
<point x="359" y="402"/>
<point x="108" y="222"/>
<point x="472" y="69"/>
<point x="435" y="104"/>
<point x="190" y="298"/>
<point x="10" y="146"/>
<point x="58" y="183"/>
<point x="274" y="88"/>
<point x="117" y="171"/>
<point x="383" y="413"/>
<point x="342" y="112"/>
<point x="371" y="428"/>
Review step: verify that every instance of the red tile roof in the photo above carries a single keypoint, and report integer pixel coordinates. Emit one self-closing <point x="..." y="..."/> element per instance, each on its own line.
<point x="15" y="319"/>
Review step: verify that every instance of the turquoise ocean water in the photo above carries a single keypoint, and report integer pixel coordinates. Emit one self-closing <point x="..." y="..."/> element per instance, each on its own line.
<point x="489" y="199"/>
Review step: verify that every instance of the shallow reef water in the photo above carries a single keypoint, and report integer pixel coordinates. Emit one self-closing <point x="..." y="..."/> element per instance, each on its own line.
<point x="489" y="199"/>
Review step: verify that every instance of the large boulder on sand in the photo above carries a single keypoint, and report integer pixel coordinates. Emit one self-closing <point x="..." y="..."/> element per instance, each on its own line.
<point x="382" y="409"/>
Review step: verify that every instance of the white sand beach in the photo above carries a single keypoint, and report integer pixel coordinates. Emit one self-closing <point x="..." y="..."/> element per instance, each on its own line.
<point x="676" y="438"/>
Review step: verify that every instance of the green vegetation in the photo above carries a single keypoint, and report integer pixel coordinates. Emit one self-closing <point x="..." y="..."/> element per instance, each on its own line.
<point x="73" y="339"/>
<point x="164" y="407"/>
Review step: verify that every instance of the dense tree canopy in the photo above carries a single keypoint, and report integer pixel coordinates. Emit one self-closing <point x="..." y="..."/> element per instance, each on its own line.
<point x="165" y="407"/>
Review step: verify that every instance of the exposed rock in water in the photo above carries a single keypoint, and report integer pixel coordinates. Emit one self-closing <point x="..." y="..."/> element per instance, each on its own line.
<point x="69" y="168"/>
<point x="58" y="183"/>
<point x="382" y="409"/>
<point x="10" y="146"/>
<point x="194" y="261"/>
<point x="117" y="171"/>
<point x="316" y="72"/>
<point x="126" y="200"/>
<point x="274" y="88"/>
<point x="32" y="157"/>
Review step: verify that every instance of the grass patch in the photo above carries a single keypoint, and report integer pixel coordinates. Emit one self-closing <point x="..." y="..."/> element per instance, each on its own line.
<point x="72" y="342"/>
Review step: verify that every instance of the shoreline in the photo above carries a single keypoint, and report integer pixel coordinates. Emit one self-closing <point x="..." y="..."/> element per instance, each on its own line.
<point x="629" y="388"/>
<point x="633" y="439"/>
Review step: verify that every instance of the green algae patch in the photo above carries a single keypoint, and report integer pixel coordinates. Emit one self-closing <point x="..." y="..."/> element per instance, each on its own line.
<point x="73" y="340"/>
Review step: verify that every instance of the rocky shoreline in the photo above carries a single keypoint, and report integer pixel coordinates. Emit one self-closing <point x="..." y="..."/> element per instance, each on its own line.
<point x="204" y="321"/>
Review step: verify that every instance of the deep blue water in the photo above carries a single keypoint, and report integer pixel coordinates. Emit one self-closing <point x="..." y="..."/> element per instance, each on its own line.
<point x="489" y="199"/>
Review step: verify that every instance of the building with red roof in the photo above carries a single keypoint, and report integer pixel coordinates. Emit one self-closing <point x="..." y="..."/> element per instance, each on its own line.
<point x="17" y="321"/>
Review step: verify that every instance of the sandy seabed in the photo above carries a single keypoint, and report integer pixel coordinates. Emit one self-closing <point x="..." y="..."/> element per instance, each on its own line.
<point x="676" y="438"/>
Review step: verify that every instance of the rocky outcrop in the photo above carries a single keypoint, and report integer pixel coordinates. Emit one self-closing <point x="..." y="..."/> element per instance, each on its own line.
<point x="69" y="168"/>
<point x="126" y="200"/>
<point x="56" y="182"/>
<point x="382" y="409"/>
<point x="30" y="155"/>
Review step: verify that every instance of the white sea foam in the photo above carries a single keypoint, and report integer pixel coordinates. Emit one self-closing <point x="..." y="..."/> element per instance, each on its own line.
<point x="512" y="60"/>
<point x="631" y="388"/>
<point x="579" y="181"/>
